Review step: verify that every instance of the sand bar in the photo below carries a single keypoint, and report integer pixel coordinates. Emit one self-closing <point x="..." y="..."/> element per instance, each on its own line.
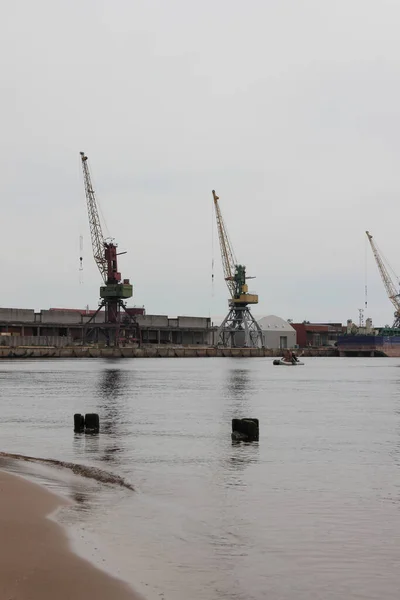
<point x="36" y="562"/>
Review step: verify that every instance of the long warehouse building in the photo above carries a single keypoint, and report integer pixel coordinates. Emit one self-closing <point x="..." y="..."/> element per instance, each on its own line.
<point x="62" y="327"/>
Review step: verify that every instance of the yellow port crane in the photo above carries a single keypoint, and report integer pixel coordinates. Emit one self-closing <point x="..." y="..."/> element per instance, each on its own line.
<point x="239" y="328"/>
<point x="390" y="287"/>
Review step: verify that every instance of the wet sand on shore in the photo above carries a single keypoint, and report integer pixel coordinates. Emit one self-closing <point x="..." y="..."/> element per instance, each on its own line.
<point x="36" y="562"/>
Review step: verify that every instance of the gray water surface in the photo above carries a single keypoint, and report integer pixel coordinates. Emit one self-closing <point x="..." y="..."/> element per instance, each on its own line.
<point x="310" y="512"/>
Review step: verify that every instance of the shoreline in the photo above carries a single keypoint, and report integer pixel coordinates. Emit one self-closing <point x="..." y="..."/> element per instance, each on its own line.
<point x="89" y="472"/>
<point x="33" y="352"/>
<point x="36" y="558"/>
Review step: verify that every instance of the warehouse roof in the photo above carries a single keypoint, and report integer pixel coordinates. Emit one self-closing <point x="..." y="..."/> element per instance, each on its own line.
<point x="274" y="323"/>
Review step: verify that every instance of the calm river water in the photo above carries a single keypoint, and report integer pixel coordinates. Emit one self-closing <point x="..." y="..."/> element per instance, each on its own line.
<point x="310" y="512"/>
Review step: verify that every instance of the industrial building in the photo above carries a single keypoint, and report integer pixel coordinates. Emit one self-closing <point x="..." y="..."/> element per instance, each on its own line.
<point x="316" y="335"/>
<point x="63" y="327"/>
<point x="277" y="333"/>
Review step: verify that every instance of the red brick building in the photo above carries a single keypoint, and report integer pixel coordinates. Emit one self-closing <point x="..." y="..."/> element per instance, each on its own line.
<point x="317" y="334"/>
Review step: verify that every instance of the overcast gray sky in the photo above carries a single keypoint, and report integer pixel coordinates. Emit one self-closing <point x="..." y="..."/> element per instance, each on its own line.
<point x="289" y="109"/>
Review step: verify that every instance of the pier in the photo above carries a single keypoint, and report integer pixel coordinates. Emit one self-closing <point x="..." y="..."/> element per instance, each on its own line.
<point x="150" y="352"/>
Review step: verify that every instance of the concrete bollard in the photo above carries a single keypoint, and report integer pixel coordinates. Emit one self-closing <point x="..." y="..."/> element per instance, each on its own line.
<point x="246" y="430"/>
<point x="79" y="423"/>
<point x="92" y="423"/>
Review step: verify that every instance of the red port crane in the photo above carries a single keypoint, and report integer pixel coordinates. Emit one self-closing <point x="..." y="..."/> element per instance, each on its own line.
<point x="118" y="323"/>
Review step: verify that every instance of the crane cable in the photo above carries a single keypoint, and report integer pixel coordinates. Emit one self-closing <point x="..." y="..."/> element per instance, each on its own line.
<point x="81" y="259"/>
<point x="387" y="264"/>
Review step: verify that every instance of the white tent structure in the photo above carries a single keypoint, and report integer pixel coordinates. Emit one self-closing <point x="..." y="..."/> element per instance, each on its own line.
<point x="277" y="333"/>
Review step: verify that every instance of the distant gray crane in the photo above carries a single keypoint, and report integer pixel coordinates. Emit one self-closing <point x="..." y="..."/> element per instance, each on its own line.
<point x="390" y="287"/>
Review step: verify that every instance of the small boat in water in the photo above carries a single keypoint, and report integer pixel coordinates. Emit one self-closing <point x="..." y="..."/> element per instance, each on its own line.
<point x="287" y="363"/>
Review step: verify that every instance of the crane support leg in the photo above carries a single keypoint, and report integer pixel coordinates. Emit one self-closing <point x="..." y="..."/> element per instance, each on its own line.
<point x="122" y="329"/>
<point x="239" y="329"/>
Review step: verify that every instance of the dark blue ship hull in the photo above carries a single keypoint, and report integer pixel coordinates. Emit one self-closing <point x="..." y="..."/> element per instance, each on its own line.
<point x="369" y="345"/>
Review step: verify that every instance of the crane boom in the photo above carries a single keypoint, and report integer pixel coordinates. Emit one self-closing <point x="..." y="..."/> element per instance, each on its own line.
<point x="228" y="256"/>
<point x="387" y="280"/>
<point x="96" y="232"/>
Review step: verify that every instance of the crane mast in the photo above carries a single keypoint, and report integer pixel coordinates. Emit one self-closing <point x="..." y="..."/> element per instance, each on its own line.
<point x="239" y="328"/>
<point x="113" y="292"/>
<point x="390" y="287"/>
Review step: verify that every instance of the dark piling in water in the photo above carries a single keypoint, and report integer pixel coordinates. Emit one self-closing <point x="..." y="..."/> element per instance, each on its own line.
<point x="92" y="423"/>
<point x="79" y="423"/>
<point x="247" y="430"/>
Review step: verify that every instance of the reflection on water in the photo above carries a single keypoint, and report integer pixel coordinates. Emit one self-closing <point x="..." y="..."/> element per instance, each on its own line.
<point x="396" y="448"/>
<point x="240" y="389"/>
<point x="86" y="444"/>
<point x="241" y="457"/>
<point x="111" y="391"/>
<point x="310" y="512"/>
<point x="244" y="452"/>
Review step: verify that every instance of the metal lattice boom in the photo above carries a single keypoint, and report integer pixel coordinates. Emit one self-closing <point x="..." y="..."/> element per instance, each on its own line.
<point x="228" y="256"/>
<point x="96" y="232"/>
<point x="390" y="287"/>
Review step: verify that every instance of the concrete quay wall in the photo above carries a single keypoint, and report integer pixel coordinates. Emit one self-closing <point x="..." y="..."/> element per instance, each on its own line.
<point x="148" y="352"/>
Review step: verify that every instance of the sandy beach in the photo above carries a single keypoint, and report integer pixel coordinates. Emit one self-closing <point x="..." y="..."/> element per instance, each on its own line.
<point x="36" y="562"/>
